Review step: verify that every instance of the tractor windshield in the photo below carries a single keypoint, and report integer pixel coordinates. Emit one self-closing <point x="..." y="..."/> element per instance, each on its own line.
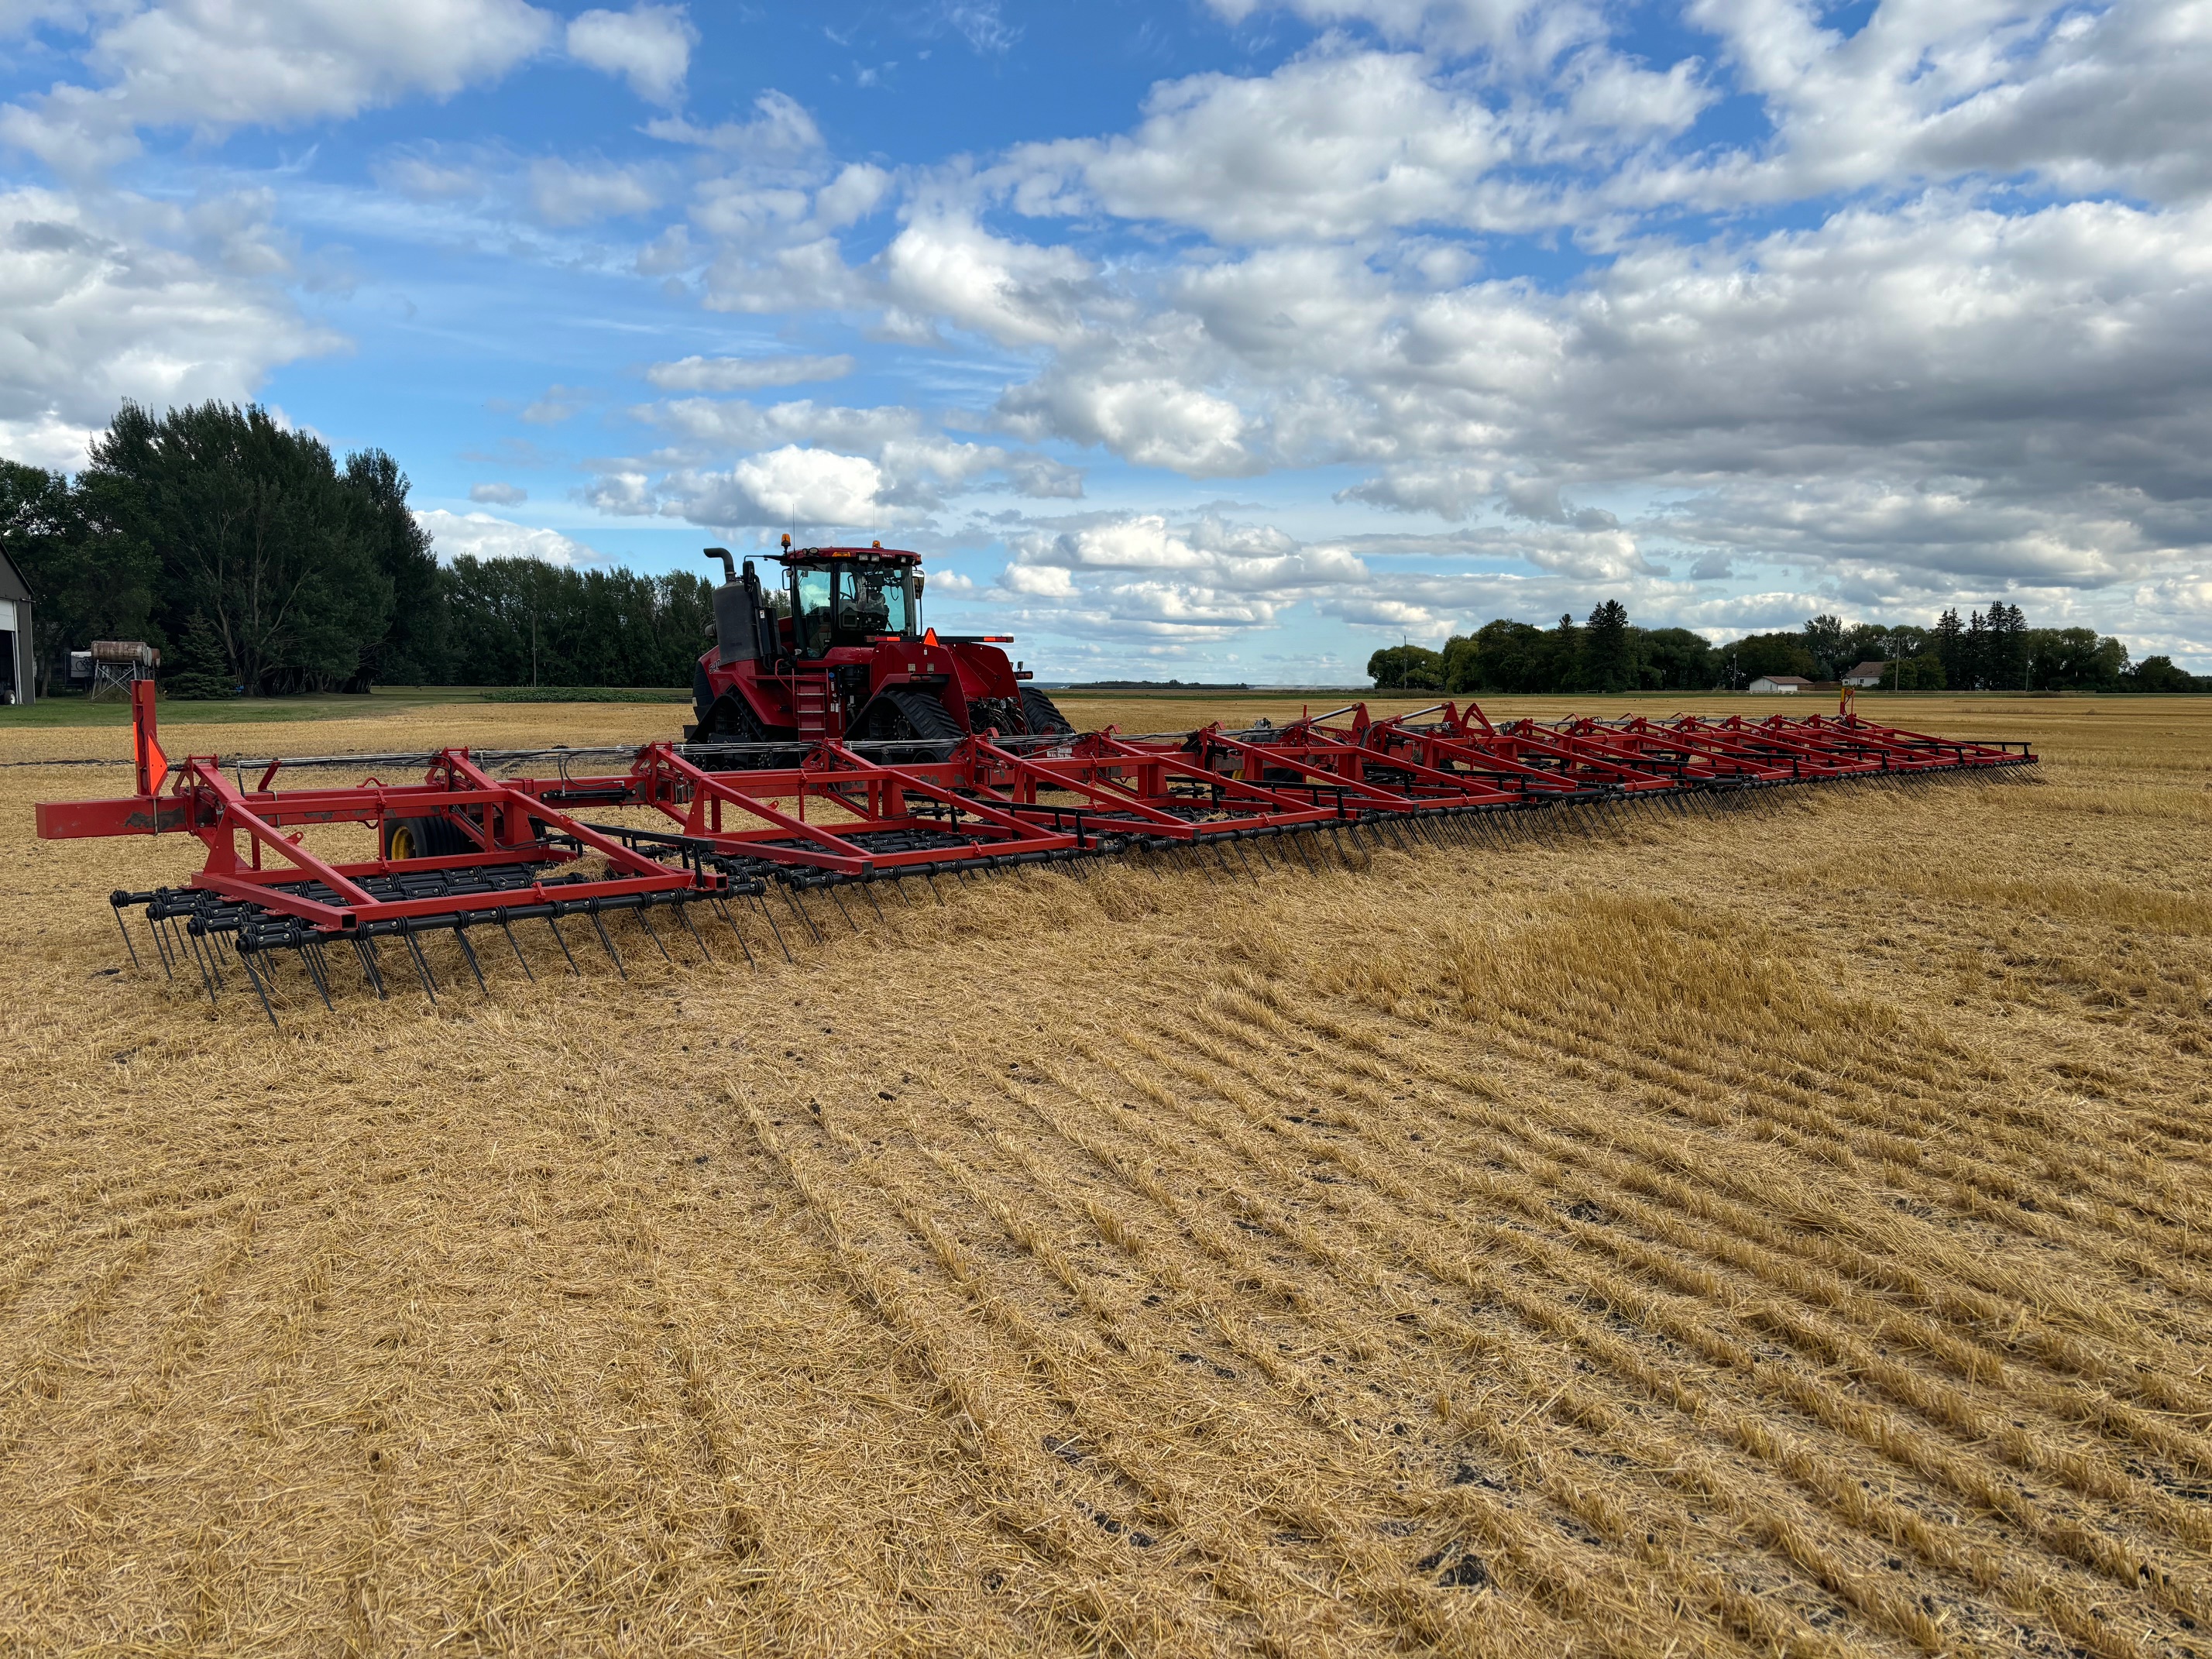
<point x="848" y="604"/>
<point x="872" y="600"/>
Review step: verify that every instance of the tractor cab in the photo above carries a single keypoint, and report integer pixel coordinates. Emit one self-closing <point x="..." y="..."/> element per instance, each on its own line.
<point x="850" y="596"/>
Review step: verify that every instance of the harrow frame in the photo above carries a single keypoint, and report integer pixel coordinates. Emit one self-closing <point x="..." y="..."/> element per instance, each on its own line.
<point x="841" y="817"/>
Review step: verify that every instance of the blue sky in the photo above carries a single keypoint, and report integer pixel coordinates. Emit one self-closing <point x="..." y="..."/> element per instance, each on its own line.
<point x="1207" y="338"/>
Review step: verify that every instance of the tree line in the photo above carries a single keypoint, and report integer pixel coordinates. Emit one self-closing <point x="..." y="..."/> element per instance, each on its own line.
<point x="1994" y="650"/>
<point x="255" y="561"/>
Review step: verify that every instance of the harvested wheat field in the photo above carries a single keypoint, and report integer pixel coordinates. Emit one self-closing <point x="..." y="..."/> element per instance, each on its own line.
<point x="1783" y="1233"/>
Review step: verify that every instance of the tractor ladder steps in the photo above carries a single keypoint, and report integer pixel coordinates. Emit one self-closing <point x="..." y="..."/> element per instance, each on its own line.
<point x="809" y="701"/>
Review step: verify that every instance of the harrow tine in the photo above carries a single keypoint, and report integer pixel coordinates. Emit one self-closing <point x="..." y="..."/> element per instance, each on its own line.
<point x="311" y="958"/>
<point x="843" y="911"/>
<point x="245" y="961"/>
<point x="722" y="910"/>
<point x="461" y="939"/>
<point x="869" y="888"/>
<point x="761" y="899"/>
<point x="558" y="940"/>
<point x="125" y="929"/>
<point x="366" y="952"/>
<point x="801" y="911"/>
<point x="505" y="928"/>
<point x="161" y="945"/>
<point x="684" y="915"/>
<point x="422" y="966"/>
<point x="599" y="928"/>
<point x="204" y="947"/>
<point x="205" y="978"/>
<point x="652" y="934"/>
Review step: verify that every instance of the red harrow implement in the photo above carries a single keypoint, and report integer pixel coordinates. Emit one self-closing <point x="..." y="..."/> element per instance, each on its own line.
<point x="470" y="850"/>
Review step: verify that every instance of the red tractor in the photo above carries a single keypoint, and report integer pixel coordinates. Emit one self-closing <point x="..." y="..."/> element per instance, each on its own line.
<point x="835" y="651"/>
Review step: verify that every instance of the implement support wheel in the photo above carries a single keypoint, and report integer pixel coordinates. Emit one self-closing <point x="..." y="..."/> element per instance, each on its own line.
<point x="435" y="837"/>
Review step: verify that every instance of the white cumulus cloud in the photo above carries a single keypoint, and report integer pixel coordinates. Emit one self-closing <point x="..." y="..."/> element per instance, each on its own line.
<point x="223" y="64"/>
<point x="481" y="535"/>
<point x="115" y="297"/>
<point x="648" y="45"/>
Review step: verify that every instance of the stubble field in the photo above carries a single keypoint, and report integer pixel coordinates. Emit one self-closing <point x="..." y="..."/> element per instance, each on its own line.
<point x="1781" y="1233"/>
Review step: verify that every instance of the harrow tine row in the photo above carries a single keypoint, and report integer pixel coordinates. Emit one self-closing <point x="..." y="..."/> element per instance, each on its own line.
<point x="1242" y="805"/>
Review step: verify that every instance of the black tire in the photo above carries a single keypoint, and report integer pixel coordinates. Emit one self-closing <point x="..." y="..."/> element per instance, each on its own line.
<point x="434" y="837"/>
<point x="1044" y="719"/>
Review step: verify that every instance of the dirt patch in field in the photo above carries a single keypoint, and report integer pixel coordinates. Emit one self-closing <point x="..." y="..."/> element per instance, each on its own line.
<point x="1779" y="1232"/>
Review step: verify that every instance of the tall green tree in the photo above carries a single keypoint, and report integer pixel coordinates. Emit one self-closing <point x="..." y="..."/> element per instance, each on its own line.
<point x="1950" y="648"/>
<point x="1676" y="660"/>
<point x="196" y="670"/>
<point x="1828" y="644"/>
<point x="1922" y="673"/>
<point x="1461" y="655"/>
<point x="413" y="651"/>
<point x="1608" y="655"/>
<point x="93" y="579"/>
<point x="1407" y="667"/>
<point x="1974" y="653"/>
<point x="2074" y="660"/>
<point x="1508" y="656"/>
<point x="1564" y="668"/>
<point x="256" y="531"/>
<point x="521" y="622"/>
<point x="2161" y="674"/>
<point x="2004" y="648"/>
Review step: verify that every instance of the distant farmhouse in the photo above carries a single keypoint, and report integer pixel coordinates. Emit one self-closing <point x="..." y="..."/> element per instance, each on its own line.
<point x="1866" y="676"/>
<point x="18" y="657"/>
<point x="1783" y="685"/>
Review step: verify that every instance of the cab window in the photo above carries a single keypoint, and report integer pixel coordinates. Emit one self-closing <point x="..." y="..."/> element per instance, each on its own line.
<point x="873" y="600"/>
<point x="811" y="616"/>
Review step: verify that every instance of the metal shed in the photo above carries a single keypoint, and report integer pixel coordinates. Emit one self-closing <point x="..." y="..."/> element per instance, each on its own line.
<point x="19" y="657"/>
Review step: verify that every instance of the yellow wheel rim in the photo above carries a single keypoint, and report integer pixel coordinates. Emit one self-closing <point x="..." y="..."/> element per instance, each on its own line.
<point x="403" y="841"/>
